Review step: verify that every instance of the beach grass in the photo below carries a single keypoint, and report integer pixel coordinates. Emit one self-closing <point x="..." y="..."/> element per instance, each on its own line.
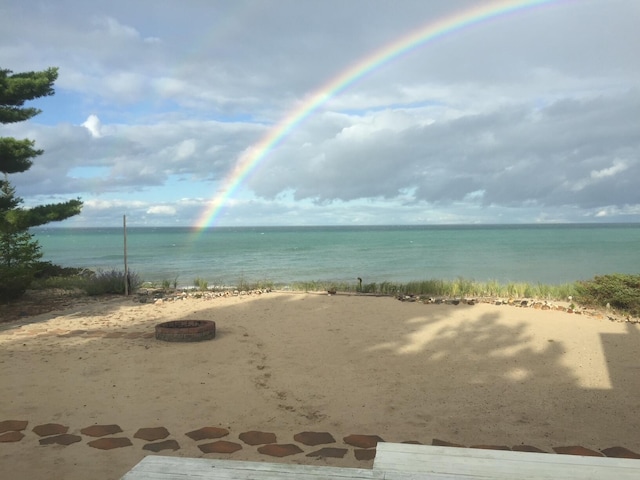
<point x="111" y="281"/>
<point x="458" y="288"/>
<point x="100" y="282"/>
<point x="201" y="284"/>
<point x="616" y="291"/>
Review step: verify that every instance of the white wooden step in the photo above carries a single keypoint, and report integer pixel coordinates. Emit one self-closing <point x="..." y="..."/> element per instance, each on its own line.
<point x="406" y="461"/>
<point x="155" y="467"/>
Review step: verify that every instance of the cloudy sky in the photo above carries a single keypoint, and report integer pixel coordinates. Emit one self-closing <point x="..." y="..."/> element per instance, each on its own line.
<point x="530" y="117"/>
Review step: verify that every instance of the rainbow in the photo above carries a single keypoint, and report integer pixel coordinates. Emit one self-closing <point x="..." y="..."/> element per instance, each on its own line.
<point x="425" y="34"/>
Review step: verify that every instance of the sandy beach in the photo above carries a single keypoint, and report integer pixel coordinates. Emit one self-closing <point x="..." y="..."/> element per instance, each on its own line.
<point x="288" y="363"/>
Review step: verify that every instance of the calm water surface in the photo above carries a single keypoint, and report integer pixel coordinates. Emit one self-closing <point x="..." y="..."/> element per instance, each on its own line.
<point x="506" y="253"/>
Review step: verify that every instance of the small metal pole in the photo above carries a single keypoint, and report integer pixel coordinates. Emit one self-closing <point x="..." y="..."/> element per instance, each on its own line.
<point x="126" y="269"/>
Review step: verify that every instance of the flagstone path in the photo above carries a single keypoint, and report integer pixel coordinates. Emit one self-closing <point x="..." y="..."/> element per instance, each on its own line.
<point x="361" y="446"/>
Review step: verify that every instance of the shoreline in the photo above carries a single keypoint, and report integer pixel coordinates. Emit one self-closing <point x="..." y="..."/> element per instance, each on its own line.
<point x="152" y="294"/>
<point x="19" y="311"/>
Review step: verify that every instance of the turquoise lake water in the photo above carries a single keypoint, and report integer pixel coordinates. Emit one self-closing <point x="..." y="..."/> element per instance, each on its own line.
<point x="506" y="253"/>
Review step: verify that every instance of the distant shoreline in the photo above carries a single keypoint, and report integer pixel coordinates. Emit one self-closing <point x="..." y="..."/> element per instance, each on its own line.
<point x="343" y="227"/>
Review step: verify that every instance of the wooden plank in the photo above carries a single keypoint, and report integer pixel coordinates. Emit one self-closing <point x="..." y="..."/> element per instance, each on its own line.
<point x="405" y="461"/>
<point x="176" y="468"/>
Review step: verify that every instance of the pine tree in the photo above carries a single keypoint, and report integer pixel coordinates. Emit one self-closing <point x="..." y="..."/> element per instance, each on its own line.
<point x="19" y="251"/>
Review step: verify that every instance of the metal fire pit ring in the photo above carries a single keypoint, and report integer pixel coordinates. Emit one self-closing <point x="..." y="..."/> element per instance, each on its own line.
<point x="186" y="330"/>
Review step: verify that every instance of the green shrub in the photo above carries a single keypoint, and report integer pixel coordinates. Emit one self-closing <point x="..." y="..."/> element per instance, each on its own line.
<point x="49" y="275"/>
<point x="71" y="282"/>
<point x="112" y="281"/>
<point x="620" y="291"/>
<point x="14" y="281"/>
<point x="44" y="270"/>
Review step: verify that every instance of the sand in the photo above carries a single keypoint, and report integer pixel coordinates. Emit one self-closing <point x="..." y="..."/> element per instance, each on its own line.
<point x="287" y="363"/>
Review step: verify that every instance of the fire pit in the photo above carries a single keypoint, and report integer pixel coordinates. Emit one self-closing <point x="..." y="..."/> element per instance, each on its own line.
<point x="186" y="330"/>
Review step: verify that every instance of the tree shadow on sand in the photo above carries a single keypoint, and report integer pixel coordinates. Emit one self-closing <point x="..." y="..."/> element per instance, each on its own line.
<point x="488" y="380"/>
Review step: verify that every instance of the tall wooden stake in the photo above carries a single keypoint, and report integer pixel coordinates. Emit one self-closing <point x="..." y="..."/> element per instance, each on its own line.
<point x="126" y="268"/>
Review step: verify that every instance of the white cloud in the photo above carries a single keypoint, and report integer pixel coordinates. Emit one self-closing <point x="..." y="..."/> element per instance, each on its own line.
<point x="617" y="167"/>
<point x="598" y="175"/>
<point x="98" y="204"/>
<point x="494" y="121"/>
<point x="161" y="210"/>
<point x="92" y="123"/>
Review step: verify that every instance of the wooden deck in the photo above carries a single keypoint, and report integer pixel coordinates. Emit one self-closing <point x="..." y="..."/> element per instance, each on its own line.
<point x="395" y="461"/>
<point x="176" y="468"/>
<point x="403" y="462"/>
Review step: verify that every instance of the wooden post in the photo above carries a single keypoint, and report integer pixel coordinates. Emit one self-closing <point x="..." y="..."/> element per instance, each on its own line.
<point x="126" y="269"/>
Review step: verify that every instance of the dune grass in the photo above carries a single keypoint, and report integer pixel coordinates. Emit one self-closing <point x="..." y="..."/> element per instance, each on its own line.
<point x="93" y="283"/>
<point x="459" y="287"/>
<point x="616" y="291"/>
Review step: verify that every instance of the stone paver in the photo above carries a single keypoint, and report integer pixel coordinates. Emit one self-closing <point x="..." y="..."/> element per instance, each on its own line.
<point x="100" y="430"/>
<point x="110" y="443"/>
<point x="257" y="438"/>
<point x="13" y="436"/>
<point x="362" y="454"/>
<point x="314" y="438"/>
<point x="152" y="434"/>
<point x="221" y="446"/>
<point x="63" y="439"/>
<point x="50" y="429"/>
<point x="527" y="448"/>
<point x="282" y="450"/>
<point x="13" y="425"/>
<point x="329" y="452"/>
<point x="577" y="450"/>
<point x="207" y="433"/>
<point x="620" y="452"/>
<point x="159" y="446"/>
<point x="362" y="441"/>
